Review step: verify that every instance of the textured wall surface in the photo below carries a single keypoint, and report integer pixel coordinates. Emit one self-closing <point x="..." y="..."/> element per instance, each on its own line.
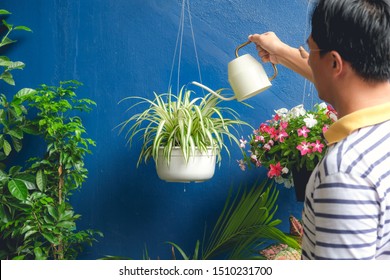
<point x="119" y="48"/>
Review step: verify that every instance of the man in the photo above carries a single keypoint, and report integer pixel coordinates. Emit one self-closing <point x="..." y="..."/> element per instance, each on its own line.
<point x="347" y="206"/>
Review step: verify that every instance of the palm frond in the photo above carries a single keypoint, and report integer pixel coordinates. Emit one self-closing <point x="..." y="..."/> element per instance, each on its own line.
<point x="245" y="223"/>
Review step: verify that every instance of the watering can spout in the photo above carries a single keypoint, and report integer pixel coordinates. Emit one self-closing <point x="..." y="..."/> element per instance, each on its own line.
<point x="213" y="92"/>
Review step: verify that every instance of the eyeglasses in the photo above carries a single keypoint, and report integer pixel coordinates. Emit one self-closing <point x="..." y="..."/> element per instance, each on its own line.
<point x="308" y="50"/>
<point x="306" y="47"/>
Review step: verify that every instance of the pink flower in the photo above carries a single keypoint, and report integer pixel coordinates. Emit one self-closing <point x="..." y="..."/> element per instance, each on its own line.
<point x="283" y="124"/>
<point x="303" y="131"/>
<point x="241" y="164"/>
<point x="243" y="142"/>
<point x="330" y="110"/>
<point x="255" y="160"/>
<point x="332" y="114"/>
<point x="304" y="148"/>
<point x="264" y="128"/>
<point x="325" y="128"/>
<point x="259" y="138"/>
<point x="317" y="146"/>
<point x="273" y="133"/>
<point x="282" y="134"/>
<point x="274" y="170"/>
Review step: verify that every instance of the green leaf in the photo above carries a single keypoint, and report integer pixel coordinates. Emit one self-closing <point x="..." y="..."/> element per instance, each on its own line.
<point x="21" y="27"/>
<point x="4" y="12"/>
<point x="4" y="61"/>
<point x="28" y="233"/>
<point x="41" y="180"/>
<point x="14" y="170"/>
<point x="3" y="215"/>
<point x="30" y="129"/>
<point x="66" y="215"/>
<point x="42" y="122"/>
<point x="196" y="252"/>
<point x="2" y="115"/>
<point x="3" y="176"/>
<point x="17" y="133"/>
<point x="51" y="238"/>
<point x="66" y="224"/>
<point x="26" y="228"/>
<point x="7" y="147"/>
<point x="49" y="220"/>
<point x="18" y="189"/>
<point x="6" y="40"/>
<point x="27" y="179"/>
<point x="8" y="78"/>
<point x="39" y="255"/>
<point x="25" y="92"/>
<point x="18" y="109"/>
<point x="182" y="253"/>
<point x="17" y="144"/>
<point x="15" y="65"/>
<point x="53" y="212"/>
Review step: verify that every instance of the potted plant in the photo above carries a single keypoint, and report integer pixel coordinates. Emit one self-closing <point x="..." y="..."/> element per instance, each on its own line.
<point x="37" y="220"/>
<point x="247" y="222"/>
<point x="184" y="136"/>
<point x="290" y="144"/>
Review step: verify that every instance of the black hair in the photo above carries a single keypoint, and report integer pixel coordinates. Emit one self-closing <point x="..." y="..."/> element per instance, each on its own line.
<point x="359" y="30"/>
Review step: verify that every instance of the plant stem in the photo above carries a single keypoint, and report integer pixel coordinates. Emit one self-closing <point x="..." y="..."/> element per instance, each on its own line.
<point x="60" y="184"/>
<point x="60" y="247"/>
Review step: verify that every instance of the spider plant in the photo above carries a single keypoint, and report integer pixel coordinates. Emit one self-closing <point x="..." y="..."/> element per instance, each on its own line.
<point x="170" y="121"/>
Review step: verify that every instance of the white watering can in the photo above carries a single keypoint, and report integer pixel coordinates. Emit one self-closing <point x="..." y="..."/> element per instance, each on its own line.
<point x="246" y="77"/>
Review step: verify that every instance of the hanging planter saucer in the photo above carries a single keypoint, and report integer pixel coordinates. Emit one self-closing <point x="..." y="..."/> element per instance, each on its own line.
<point x="199" y="168"/>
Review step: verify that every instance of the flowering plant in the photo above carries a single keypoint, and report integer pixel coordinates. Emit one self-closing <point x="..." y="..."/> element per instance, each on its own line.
<point x="291" y="140"/>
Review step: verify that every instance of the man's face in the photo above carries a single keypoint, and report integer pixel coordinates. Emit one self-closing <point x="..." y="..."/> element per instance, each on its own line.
<point x="318" y="66"/>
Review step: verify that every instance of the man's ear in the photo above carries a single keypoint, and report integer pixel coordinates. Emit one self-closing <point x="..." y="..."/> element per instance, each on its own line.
<point x="337" y="62"/>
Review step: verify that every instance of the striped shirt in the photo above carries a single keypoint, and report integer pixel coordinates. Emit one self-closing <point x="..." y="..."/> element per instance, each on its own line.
<point x="347" y="206"/>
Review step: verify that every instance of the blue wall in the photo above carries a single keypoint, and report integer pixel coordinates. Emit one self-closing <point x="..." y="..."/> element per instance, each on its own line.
<point x="119" y="48"/>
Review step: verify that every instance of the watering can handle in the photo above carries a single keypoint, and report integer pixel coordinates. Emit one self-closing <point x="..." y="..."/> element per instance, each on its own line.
<point x="273" y="65"/>
<point x="213" y="92"/>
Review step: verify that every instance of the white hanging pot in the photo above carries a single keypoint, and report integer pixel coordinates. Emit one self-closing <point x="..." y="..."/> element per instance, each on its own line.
<point x="200" y="166"/>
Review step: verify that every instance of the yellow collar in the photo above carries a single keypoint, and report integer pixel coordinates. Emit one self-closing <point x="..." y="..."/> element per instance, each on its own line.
<point x="362" y="118"/>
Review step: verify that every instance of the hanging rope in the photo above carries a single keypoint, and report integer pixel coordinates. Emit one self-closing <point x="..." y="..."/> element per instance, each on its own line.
<point x="179" y="45"/>
<point x="311" y="90"/>
<point x="193" y="40"/>
<point x="305" y="35"/>
<point x="178" y="38"/>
